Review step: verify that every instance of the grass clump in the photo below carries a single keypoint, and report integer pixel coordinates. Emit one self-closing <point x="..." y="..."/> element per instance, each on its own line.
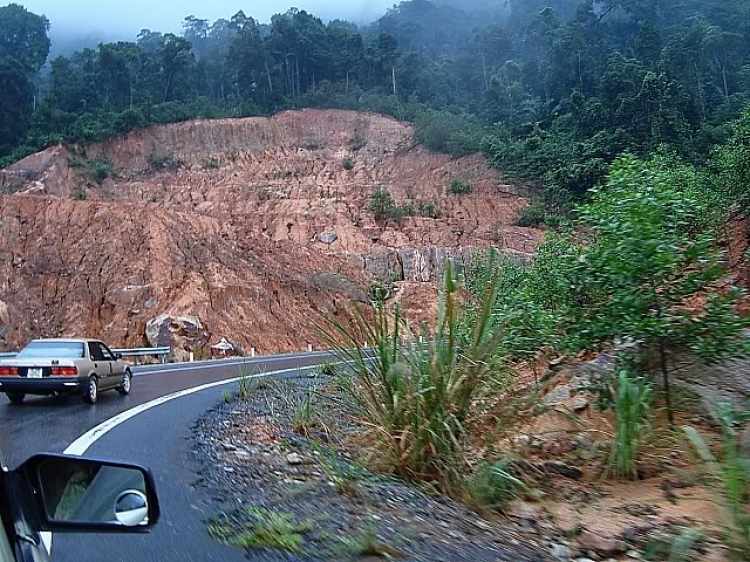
<point x="244" y="383"/>
<point x="460" y="186"/>
<point x="344" y="476"/>
<point x="632" y="406"/>
<point x="494" y="484"/>
<point x="328" y="369"/>
<point x="413" y="399"/>
<point x="306" y="416"/>
<point x="273" y="530"/>
<point x="729" y="475"/>
<point x="365" y="543"/>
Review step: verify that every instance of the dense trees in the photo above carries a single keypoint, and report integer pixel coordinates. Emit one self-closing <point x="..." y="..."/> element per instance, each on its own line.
<point x="553" y="90"/>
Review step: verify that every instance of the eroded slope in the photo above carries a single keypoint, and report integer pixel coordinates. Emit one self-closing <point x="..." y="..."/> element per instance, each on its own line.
<point x="250" y="227"/>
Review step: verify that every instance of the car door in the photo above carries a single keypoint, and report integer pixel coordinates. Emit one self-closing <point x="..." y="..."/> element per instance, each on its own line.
<point x="102" y="363"/>
<point x="118" y="365"/>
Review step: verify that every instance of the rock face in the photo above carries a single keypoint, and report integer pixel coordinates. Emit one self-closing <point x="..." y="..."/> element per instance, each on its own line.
<point x="252" y="226"/>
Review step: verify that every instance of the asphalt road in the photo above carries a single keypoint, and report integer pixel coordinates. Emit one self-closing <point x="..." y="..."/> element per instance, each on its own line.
<point x="157" y="438"/>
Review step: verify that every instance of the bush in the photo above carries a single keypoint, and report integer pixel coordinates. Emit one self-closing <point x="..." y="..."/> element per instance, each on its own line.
<point x="164" y="162"/>
<point x="460" y="186"/>
<point x="414" y="400"/>
<point x="552" y="208"/>
<point x="442" y="131"/>
<point x="428" y="209"/>
<point x="347" y="163"/>
<point x="80" y="194"/>
<point x="383" y="206"/>
<point x="101" y="168"/>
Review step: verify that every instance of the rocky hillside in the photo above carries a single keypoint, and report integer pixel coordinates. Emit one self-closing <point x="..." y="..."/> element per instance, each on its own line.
<point x="248" y="228"/>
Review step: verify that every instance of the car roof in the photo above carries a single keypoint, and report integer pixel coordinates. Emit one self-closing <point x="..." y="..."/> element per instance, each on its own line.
<point x="65" y="340"/>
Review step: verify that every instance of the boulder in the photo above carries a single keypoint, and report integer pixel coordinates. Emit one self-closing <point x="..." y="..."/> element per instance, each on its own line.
<point x="182" y="334"/>
<point x="328" y="237"/>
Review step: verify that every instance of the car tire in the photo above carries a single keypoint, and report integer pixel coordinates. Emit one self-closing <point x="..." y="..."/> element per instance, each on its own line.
<point x="91" y="392"/>
<point x="124" y="387"/>
<point x="16" y="397"/>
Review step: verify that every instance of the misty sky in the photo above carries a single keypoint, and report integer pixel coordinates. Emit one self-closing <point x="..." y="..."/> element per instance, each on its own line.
<point x="125" y="18"/>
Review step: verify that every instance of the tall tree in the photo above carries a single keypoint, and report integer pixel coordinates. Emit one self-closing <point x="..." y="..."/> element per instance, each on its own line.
<point x="23" y="37"/>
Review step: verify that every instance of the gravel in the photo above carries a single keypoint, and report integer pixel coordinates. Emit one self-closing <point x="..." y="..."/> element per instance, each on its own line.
<point x="257" y="460"/>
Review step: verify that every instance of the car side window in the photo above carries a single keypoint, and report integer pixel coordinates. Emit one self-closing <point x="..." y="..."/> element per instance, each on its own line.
<point x="105" y="352"/>
<point x="96" y="352"/>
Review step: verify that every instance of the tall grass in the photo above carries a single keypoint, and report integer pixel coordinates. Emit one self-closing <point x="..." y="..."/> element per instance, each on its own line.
<point x="730" y="475"/>
<point x="632" y="405"/>
<point x="414" y="399"/>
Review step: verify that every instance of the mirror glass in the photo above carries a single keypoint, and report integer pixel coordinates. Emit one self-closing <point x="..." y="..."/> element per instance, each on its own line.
<point x="82" y="491"/>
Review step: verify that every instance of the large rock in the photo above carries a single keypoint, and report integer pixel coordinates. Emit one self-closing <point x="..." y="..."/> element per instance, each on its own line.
<point x="182" y="334"/>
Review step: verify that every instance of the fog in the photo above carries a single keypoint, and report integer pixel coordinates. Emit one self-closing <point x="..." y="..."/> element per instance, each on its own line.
<point x="124" y="19"/>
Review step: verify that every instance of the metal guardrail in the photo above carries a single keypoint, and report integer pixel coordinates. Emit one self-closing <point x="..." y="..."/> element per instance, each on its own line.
<point x="160" y="352"/>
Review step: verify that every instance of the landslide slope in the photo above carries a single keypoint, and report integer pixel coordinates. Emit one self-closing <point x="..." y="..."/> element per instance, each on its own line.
<point x="250" y="227"/>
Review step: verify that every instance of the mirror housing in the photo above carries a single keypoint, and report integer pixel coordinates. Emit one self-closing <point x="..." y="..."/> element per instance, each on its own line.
<point x="76" y="494"/>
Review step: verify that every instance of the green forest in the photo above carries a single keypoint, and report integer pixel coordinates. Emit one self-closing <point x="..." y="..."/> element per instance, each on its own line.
<point x="552" y="90"/>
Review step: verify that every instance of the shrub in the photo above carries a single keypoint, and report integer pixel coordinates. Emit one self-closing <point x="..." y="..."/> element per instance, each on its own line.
<point x="442" y="131"/>
<point x="414" y="399"/>
<point x="101" y="168"/>
<point x="80" y="194"/>
<point x="383" y="206"/>
<point x="164" y="162"/>
<point x="428" y="209"/>
<point x="460" y="186"/>
<point x="347" y="163"/>
<point x="632" y="409"/>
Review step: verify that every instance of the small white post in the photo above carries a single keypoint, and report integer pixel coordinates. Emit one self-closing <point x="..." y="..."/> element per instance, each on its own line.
<point x="252" y="352"/>
<point x="309" y="347"/>
<point x="192" y="357"/>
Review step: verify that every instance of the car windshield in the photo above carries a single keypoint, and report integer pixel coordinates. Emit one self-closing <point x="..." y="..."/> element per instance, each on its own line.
<point x="55" y="349"/>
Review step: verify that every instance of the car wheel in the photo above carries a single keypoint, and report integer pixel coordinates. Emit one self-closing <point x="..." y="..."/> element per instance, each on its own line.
<point x="91" y="392"/>
<point x="124" y="387"/>
<point x="16" y="397"/>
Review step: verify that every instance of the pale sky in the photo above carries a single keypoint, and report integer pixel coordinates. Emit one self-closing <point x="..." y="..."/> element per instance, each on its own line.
<point x="125" y="18"/>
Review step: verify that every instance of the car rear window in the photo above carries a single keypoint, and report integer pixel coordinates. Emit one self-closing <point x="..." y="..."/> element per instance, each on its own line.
<point x="59" y="350"/>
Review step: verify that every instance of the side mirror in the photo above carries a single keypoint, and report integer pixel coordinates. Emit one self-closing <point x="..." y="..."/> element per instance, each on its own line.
<point x="77" y="494"/>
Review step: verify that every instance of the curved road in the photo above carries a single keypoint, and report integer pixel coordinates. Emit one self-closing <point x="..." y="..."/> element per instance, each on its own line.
<point x="157" y="438"/>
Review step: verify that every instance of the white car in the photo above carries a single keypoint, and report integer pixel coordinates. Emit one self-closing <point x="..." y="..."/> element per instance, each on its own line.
<point x="64" y="366"/>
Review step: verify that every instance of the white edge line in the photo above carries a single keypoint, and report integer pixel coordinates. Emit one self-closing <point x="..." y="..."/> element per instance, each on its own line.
<point x="82" y="444"/>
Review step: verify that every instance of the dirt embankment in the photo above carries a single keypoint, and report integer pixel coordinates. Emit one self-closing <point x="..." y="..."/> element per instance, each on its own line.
<point x="249" y="227"/>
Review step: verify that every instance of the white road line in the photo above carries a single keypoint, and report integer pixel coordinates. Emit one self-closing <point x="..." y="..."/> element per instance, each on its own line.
<point x="82" y="444"/>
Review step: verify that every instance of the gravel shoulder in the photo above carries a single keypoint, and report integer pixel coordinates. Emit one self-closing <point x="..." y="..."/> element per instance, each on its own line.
<point x="285" y="490"/>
